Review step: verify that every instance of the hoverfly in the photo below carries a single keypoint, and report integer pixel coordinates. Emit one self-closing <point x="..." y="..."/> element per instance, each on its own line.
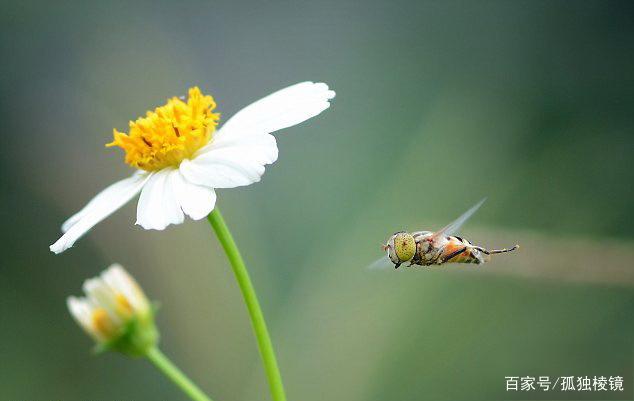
<point x="426" y="248"/>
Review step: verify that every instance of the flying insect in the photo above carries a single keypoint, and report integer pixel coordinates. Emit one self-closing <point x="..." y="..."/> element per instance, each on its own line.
<point x="427" y="248"/>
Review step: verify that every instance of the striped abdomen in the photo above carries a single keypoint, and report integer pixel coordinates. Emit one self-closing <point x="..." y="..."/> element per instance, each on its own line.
<point x="460" y="250"/>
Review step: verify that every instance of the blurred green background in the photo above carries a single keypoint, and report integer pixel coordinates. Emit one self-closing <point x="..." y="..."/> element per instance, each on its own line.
<point x="438" y="105"/>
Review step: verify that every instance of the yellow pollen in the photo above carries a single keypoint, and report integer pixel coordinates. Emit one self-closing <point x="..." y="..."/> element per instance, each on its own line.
<point x="102" y="323"/>
<point x="170" y="133"/>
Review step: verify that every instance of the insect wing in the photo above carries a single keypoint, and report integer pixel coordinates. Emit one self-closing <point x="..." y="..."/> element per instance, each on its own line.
<point x="454" y="226"/>
<point x="381" y="264"/>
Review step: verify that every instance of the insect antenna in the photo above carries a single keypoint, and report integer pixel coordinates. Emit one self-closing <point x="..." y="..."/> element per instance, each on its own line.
<point x="494" y="251"/>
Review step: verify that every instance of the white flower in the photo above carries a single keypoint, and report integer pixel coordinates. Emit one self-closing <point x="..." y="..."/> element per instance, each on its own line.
<point x="115" y="312"/>
<point x="181" y="159"/>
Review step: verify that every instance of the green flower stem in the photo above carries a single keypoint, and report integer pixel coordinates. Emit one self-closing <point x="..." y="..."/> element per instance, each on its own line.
<point x="175" y="375"/>
<point x="251" y="299"/>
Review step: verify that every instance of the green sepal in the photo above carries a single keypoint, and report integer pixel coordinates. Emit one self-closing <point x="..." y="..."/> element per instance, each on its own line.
<point x="135" y="339"/>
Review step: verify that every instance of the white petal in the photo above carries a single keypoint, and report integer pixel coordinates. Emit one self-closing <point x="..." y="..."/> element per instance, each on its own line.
<point x="222" y="168"/>
<point x="120" y="281"/>
<point x="102" y="206"/>
<point x="157" y="206"/>
<point x="282" y="109"/>
<point x="231" y="161"/>
<point x="103" y="198"/>
<point x="81" y="310"/>
<point x="102" y="295"/>
<point x="196" y="201"/>
<point x="261" y="148"/>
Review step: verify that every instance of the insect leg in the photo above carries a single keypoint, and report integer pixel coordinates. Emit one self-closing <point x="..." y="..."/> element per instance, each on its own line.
<point x="494" y="251"/>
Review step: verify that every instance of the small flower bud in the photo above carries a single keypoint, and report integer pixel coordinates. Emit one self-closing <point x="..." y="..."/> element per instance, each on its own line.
<point x="116" y="313"/>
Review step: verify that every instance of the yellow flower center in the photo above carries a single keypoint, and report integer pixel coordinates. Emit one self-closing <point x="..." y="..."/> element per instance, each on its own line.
<point x="102" y="324"/>
<point x="170" y="133"/>
<point x="123" y="306"/>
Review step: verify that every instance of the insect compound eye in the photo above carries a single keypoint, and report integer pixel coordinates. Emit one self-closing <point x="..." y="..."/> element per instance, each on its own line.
<point x="404" y="246"/>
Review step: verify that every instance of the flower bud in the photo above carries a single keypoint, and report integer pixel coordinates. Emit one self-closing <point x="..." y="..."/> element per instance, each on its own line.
<point x="116" y="313"/>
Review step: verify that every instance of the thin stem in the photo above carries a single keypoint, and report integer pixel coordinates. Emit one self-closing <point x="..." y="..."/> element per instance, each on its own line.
<point x="251" y="300"/>
<point x="175" y="375"/>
